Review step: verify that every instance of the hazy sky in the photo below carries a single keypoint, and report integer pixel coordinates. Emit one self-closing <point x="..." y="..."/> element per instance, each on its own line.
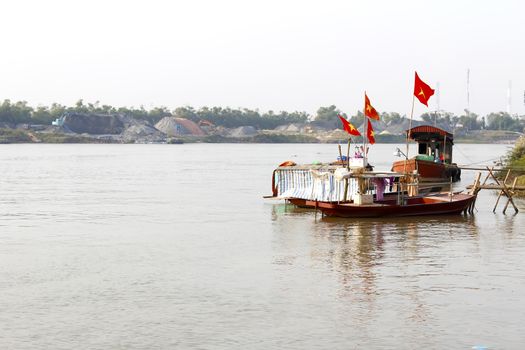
<point x="271" y="55"/>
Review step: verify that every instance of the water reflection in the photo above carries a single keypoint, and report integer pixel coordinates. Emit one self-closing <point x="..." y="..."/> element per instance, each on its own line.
<point x="374" y="259"/>
<point x="356" y="250"/>
<point x="284" y="209"/>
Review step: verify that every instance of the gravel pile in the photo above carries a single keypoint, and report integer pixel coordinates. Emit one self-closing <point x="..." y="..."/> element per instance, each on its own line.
<point x="243" y="131"/>
<point x="142" y="134"/>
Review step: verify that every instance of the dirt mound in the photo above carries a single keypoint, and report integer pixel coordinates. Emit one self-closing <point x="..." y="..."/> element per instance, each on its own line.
<point x="243" y="131"/>
<point x="95" y="124"/>
<point x="142" y="134"/>
<point x="172" y="126"/>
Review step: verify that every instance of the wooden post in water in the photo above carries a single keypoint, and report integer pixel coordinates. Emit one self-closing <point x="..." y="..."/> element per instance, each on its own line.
<point x="474" y="188"/>
<point x="505" y="190"/>
<point x="500" y="192"/>
<point x="509" y="199"/>
<point x="474" y="191"/>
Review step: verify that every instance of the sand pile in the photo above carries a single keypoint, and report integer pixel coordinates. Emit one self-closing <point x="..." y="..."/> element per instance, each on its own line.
<point x="172" y="126"/>
<point x="243" y="131"/>
<point x="142" y="134"/>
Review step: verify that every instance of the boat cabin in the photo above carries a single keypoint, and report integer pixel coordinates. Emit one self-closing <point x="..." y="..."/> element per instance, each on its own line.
<point x="434" y="144"/>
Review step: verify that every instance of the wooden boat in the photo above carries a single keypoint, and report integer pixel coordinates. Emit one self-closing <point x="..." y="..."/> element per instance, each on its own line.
<point x="357" y="191"/>
<point x="438" y="204"/>
<point x="433" y="162"/>
<point x="361" y="193"/>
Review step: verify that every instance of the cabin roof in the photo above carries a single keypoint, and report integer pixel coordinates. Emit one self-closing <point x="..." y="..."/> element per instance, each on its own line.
<point x="425" y="132"/>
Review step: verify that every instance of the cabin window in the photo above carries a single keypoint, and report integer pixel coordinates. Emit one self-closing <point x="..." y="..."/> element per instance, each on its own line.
<point x="422" y="148"/>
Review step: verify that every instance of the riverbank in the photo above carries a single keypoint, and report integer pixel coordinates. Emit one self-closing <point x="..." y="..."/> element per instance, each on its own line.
<point x="8" y="135"/>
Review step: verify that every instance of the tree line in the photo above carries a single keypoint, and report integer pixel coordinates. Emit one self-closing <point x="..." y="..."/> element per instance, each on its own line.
<point x="468" y="121"/>
<point x="12" y="113"/>
<point x="21" y="113"/>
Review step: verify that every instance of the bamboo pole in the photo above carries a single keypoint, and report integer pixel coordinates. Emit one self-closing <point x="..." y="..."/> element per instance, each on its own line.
<point x="408" y="132"/>
<point x="474" y="189"/>
<point x="365" y="134"/>
<point x="345" y="194"/>
<point x="505" y="190"/>
<point x="501" y="192"/>
<point x="512" y="193"/>
<point x="348" y="154"/>
<point x="495" y="187"/>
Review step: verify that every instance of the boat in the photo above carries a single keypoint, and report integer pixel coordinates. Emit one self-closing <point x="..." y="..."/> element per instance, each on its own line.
<point x="433" y="162"/>
<point x="345" y="191"/>
<point x="342" y="192"/>
<point x="435" y="204"/>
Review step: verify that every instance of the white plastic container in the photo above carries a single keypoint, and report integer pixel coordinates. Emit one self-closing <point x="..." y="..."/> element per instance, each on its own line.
<point x="360" y="199"/>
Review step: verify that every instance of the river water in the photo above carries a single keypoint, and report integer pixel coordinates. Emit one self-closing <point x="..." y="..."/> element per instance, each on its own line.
<point x="173" y="246"/>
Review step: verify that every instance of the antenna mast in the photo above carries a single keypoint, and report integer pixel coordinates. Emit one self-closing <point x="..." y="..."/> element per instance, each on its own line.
<point x="509" y="100"/>
<point x="468" y="92"/>
<point x="438" y="105"/>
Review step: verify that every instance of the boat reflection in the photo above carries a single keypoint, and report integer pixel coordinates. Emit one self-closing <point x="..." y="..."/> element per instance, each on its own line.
<point x="369" y="257"/>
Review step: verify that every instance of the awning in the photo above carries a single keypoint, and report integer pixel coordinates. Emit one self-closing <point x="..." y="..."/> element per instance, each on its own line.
<point x="425" y="131"/>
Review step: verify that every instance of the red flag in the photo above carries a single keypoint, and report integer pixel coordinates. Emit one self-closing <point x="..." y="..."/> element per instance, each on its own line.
<point x="422" y="91"/>
<point x="370" y="133"/>
<point x="370" y="111"/>
<point x="349" y="128"/>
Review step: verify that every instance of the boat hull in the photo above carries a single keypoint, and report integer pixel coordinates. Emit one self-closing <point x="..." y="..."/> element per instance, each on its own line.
<point x="428" y="171"/>
<point x="442" y="204"/>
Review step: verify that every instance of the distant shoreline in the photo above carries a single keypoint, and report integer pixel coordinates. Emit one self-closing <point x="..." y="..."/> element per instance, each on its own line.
<point x="20" y="135"/>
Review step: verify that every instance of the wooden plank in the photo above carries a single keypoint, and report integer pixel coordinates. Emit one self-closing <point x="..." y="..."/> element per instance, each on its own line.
<point x="478" y="169"/>
<point x="495" y="187"/>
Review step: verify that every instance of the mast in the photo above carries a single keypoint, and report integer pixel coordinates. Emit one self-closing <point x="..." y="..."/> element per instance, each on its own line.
<point x="509" y="97"/>
<point x="408" y="132"/>
<point x="365" y="133"/>
<point x="436" y="115"/>
<point x="468" y="92"/>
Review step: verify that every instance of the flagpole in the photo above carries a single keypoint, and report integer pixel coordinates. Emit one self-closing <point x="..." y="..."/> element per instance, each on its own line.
<point x="348" y="154"/>
<point x="408" y="132"/>
<point x="345" y="195"/>
<point x="365" y="135"/>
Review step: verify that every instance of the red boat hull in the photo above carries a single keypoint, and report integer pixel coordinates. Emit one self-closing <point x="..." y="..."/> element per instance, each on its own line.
<point x="429" y="205"/>
<point x="428" y="171"/>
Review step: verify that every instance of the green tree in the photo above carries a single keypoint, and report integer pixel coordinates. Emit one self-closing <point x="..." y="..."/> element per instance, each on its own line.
<point x="503" y="121"/>
<point x="15" y="113"/>
<point x="329" y="116"/>
<point x="391" y="118"/>
<point x="442" y="119"/>
<point x="42" y="115"/>
<point x="470" y="121"/>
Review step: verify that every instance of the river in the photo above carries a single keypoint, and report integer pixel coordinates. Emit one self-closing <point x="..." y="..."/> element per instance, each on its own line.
<point x="173" y="246"/>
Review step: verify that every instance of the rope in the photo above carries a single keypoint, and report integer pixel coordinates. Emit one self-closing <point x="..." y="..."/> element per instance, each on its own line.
<point x="463" y="154"/>
<point x="482" y="161"/>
